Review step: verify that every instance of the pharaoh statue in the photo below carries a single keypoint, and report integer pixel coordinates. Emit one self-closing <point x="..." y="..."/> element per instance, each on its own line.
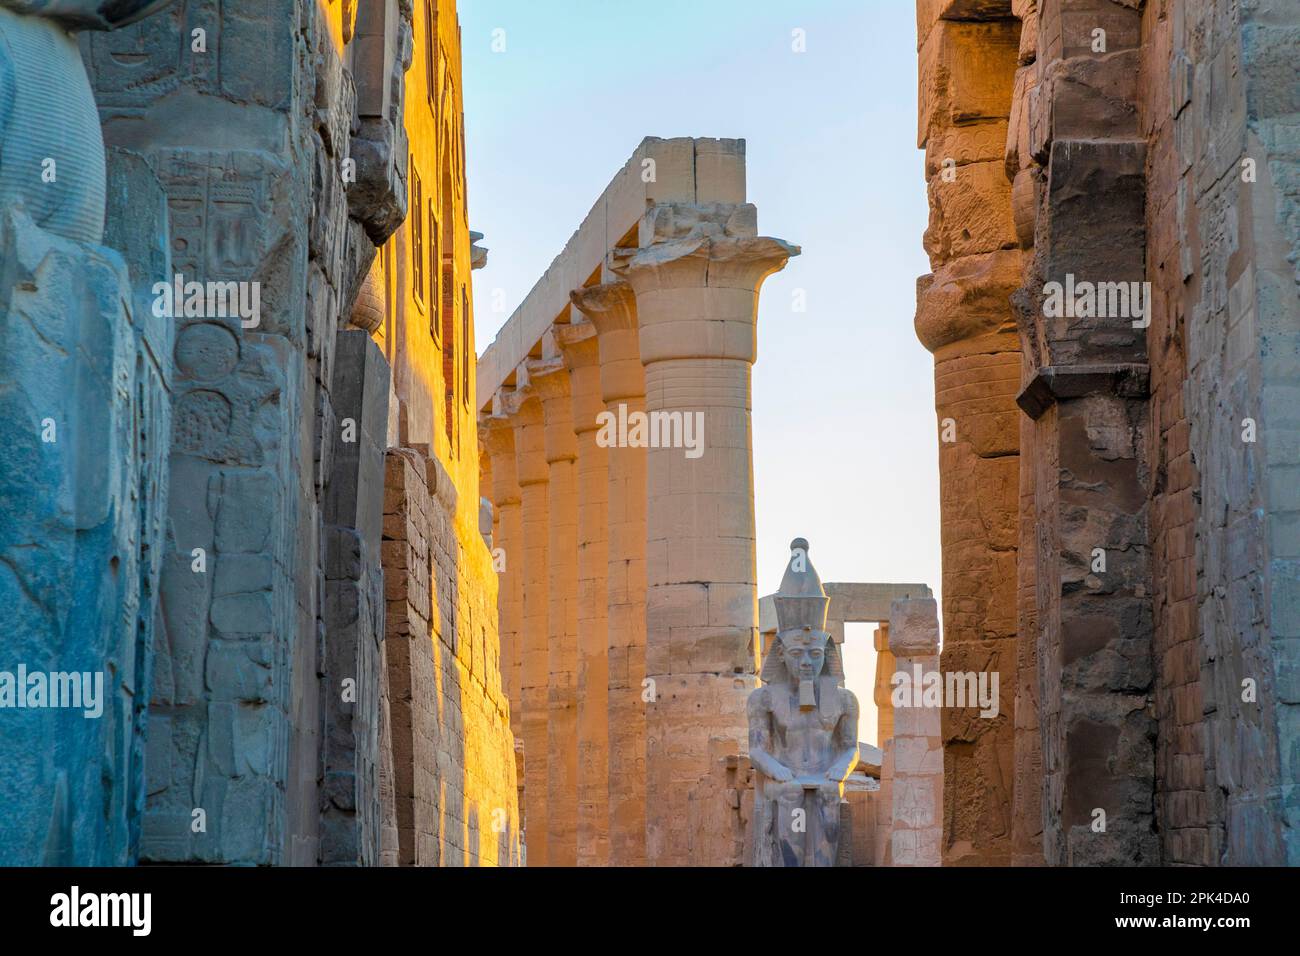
<point x="51" y="147"/>
<point x="803" y="728"/>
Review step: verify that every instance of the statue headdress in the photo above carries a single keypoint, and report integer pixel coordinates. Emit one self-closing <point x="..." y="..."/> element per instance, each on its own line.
<point x="801" y="605"/>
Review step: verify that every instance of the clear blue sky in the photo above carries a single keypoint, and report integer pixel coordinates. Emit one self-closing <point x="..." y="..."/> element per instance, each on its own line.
<point x="845" y="440"/>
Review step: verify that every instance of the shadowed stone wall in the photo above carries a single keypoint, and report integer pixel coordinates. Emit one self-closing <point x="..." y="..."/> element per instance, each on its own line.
<point x="453" y="752"/>
<point x="85" y="404"/>
<point x="234" y="737"/>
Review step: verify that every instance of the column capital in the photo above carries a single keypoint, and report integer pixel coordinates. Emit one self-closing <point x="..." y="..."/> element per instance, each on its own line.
<point x="550" y="379"/>
<point x="521" y="405"/>
<point x="713" y="245"/>
<point x="610" y="306"/>
<point x="696" y="276"/>
<point x="579" y="344"/>
<point x="497" y="434"/>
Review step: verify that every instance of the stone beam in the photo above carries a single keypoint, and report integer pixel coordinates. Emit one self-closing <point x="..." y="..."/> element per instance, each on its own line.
<point x="851" y="602"/>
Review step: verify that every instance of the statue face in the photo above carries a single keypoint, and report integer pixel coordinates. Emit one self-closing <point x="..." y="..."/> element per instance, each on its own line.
<point x="804" y="653"/>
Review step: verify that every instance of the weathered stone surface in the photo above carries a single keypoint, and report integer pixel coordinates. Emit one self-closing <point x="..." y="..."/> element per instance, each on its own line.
<point x="87" y="413"/>
<point x="355" y="677"/>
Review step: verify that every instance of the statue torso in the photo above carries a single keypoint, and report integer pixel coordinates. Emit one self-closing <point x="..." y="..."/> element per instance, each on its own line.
<point x="804" y="740"/>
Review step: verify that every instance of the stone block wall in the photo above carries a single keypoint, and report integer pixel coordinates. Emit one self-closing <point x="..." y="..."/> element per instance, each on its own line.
<point x="1219" y="107"/>
<point x="453" y="752"/>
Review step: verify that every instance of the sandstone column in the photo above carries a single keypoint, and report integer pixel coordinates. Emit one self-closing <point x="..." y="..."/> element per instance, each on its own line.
<point x="525" y="410"/>
<point x="499" y="438"/>
<point x="611" y="307"/>
<point x="578" y="342"/>
<point x="696" y="278"/>
<point x="916" y="831"/>
<point x="964" y="317"/>
<point x="551" y="380"/>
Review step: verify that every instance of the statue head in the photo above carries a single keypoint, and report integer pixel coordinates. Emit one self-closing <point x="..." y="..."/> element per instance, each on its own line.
<point x="804" y="653"/>
<point x="803" y="650"/>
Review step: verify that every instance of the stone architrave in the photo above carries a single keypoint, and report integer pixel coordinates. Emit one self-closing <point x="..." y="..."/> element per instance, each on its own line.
<point x="611" y="308"/>
<point x="696" y="276"/>
<point x="916" y="829"/>
<point x="803" y="729"/>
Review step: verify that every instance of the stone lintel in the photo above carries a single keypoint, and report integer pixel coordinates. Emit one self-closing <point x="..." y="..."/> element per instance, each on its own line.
<point x="851" y="602"/>
<point x="1055" y="382"/>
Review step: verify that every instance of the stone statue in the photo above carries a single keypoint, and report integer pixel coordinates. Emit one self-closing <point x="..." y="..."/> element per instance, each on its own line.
<point x="51" y="147"/>
<point x="84" y="436"/>
<point x="803" y="728"/>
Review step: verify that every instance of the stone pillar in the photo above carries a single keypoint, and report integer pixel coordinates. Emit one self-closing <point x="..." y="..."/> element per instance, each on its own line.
<point x="525" y="410"/>
<point x="507" y="540"/>
<point x="1094" y="473"/>
<point x="885" y="667"/>
<point x="579" y="344"/>
<point x="611" y="307"/>
<point x="918" y="778"/>
<point x="696" y="278"/>
<point x="351" y="806"/>
<point x="551" y="381"/>
<point x="964" y="317"/>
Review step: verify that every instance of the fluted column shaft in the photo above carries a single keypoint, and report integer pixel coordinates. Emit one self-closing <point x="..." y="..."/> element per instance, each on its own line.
<point x="611" y="308"/>
<point x="578" y="343"/>
<point x="534" y="670"/>
<point x="551" y="380"/>
<point x="696" y="279"/>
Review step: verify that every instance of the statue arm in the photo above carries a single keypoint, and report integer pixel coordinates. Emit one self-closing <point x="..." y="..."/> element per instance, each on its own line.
<point x="846" y="740"/>
<point x="760" y="738"/>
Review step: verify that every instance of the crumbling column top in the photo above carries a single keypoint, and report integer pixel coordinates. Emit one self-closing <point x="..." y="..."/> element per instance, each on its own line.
<point x="705" y="244"/>
<point x="914" y="627"/>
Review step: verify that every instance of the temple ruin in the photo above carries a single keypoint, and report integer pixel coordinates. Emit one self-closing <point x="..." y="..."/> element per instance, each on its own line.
<point x="360" y="596"/>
